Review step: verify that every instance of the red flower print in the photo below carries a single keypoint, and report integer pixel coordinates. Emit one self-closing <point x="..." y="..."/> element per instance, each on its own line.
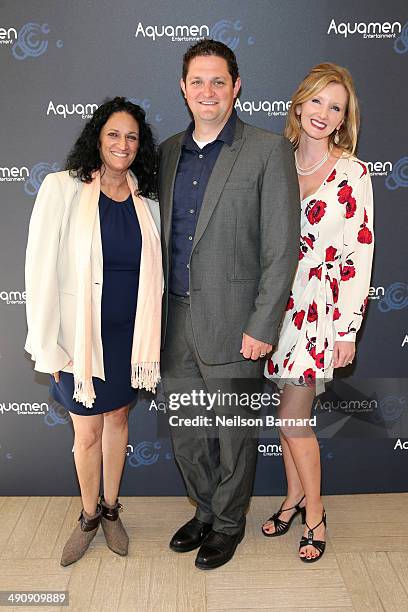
<point x="298" y="318"/>
<point x="311" y="346"/>
<point x="290" y="303"/>
<point x="272" y="368"/>
<point x="365" y="216"/>
<point x="364" y="167"/>
<point x="312" y="312"/>
<point x="347" y="272"/>
<point x="344" y="194"/>
<point x="309" y="240"/>
<point x="332" y="176"/>
<point x="319" y="360"/>
<point x="350" y="207"/>
<point x="316" y="212"/>
<point x="336" y="314"/>
<point x="315" y="272"/>
<point x="334" y="285"/>
<point x="309" y="376"/>
<point x="364" y="306"/>
<point x="364" y="235"/>
<point x="290" y="366"/>
<point x="330" y="253"/>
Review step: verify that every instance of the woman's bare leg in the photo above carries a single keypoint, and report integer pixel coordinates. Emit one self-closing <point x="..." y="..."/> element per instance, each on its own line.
<point x="114" y="442"/>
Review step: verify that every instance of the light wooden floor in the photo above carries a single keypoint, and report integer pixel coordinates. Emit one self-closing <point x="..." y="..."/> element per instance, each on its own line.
<point x="365" y="567"/>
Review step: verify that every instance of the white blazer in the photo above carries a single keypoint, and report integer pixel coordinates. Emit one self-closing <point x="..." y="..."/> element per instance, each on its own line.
<point x="51" y="277"/>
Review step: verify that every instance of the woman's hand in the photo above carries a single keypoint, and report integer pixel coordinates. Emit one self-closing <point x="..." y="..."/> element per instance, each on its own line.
<point x="343" y="353"/>
<point x="56" y="375"/>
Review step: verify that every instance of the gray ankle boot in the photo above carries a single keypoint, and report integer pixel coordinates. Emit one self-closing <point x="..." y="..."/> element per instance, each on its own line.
<point x="115" y="534"/>
<point x="81" y="537"/>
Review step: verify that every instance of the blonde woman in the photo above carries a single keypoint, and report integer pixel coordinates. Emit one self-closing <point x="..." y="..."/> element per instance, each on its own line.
<point x="328" y="297"/>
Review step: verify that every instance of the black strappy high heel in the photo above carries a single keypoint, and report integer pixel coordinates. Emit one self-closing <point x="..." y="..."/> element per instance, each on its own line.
<point x="320" y="545"/>
<point x="282" y="527"/>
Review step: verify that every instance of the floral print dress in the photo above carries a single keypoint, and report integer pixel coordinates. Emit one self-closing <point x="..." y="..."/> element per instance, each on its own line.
<point x="330" y="288"/>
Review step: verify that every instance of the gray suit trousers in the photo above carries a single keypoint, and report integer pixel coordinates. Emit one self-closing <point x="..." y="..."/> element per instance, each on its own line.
<point x="217" y="460"/>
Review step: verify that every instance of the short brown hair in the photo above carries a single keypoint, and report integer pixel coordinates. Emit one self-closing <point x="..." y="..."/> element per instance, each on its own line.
<point x="211" y="47"/>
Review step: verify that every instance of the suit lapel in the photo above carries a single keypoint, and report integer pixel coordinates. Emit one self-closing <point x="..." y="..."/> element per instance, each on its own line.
<point x="168" y="173"/>
<point x="218" y="178"/>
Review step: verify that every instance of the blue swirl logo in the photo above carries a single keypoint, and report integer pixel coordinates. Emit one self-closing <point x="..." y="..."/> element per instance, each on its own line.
<point x="399" y="176"/>
<point x="395" y="297"/>
<point x="392" y="407"/>
<point x="145" y="453"/>
<point x="401" y="43"/>
<point x="37" y="175"/>
<point x="56" y="415"/>
<point x="30" y="41"/>
<point x="228" y="32"/>
<point x="145" y="105"/>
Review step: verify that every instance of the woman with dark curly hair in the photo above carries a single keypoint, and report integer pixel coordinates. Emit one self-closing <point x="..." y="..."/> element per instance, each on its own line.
<point x="94" y="286"/>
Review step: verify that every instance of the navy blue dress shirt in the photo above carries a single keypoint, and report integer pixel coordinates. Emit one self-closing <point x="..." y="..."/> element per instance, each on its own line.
<point x="193" y="173"/>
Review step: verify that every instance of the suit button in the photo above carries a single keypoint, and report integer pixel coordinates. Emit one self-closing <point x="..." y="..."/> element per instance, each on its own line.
<point x="190" y="237"/>
<point x="194" y="182"/>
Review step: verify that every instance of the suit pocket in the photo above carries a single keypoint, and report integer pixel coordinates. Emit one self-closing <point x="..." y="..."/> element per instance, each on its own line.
<point x="240" y="185"/>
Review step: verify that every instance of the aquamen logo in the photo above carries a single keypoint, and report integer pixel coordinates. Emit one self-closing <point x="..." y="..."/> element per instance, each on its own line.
<point x="145" y="453"/>
<point x="7" y="36"/>
<point x="13" y="297"/>
<point x="376" y="293"/>
<point x="366" y="30"/>
<point x="225" y="31"/>
<point x="400" y="445"/>
<point x="273" y="108"/>
<point x="394" y="298"/>
<point x="85" y="111"/>
<point x="270" y="450"/>
<point x="399" y="176"/>
<point x="176" y="33"/>
<point x="401" y="44"/>
<point x="146" y="104"/>
<point x="24" y="408"/>
<point x="37" y="174"/>
<point x="32" y="41"/>
<point x="14" y="174"/>
<point x="347" y="406"/>
<point x="379" y="168"/>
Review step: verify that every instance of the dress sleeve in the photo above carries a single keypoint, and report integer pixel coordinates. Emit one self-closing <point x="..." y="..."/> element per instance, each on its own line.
<point x="42" y="297"/>
<point x="356" y="259"/>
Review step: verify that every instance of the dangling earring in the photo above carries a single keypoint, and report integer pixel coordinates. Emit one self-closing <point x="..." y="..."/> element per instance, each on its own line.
<point x="336" y="137"/>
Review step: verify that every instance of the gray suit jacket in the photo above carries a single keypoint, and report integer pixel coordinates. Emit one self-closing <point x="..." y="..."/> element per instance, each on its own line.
<point x="246" y="243"/>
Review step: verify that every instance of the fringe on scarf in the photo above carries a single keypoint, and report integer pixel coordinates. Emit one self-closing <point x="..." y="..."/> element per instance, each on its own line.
<point x="145" y="375"/>
<point x="84" y="392"/>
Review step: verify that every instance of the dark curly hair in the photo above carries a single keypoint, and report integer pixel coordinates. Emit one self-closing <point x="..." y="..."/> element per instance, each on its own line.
<point x="84" y="157"/>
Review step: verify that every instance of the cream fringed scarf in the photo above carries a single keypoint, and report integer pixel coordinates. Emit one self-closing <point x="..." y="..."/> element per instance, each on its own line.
<point x="145" y="360"/>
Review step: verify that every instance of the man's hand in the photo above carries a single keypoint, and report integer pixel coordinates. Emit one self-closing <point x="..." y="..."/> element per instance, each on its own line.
<point x="254" y="349"/>
<point x="343" y="353"/>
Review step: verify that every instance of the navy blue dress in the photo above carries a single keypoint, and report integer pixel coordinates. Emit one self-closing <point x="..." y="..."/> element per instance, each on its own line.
<point x="121" y="247"/>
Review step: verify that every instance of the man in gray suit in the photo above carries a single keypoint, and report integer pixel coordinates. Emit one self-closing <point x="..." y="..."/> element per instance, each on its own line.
<point x="229" y="203"/>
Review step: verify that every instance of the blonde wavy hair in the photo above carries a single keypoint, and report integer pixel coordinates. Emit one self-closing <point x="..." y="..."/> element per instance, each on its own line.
<point x="320" y="76"/>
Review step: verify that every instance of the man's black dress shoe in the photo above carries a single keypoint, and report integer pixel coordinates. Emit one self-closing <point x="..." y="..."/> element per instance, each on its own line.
<point x="190" y="536"/>
<point x="217" y="549"/>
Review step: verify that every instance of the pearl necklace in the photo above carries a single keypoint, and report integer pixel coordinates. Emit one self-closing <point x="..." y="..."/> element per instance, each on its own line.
<point x="314" y="167"/>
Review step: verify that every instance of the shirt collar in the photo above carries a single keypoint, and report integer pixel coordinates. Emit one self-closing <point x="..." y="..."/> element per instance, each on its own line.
<point x="226" y="135"/>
